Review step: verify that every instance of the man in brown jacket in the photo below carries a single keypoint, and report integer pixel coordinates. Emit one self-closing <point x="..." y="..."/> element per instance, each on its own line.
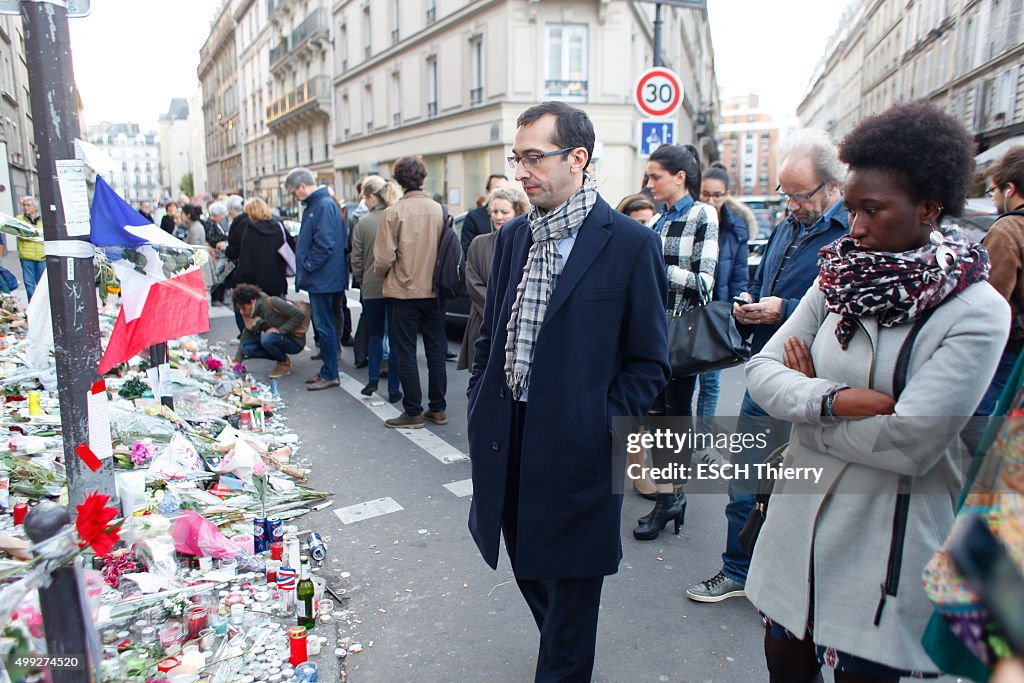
<point x="1005" y="244"/>
<point x="404" y="253"/>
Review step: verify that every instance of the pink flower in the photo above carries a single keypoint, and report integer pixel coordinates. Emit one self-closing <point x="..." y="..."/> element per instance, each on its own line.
<point x="142" y="453"/>
<point x="212" y="364"/>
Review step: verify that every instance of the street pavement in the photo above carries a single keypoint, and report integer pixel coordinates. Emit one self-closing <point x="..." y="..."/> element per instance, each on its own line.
<point x="426" y="601"/>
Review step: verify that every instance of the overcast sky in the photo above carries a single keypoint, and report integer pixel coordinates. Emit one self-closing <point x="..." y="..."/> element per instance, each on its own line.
<point x="132" y="56"/>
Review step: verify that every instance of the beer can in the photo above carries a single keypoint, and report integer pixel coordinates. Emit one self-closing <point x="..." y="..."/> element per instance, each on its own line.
<point x="317" y="549"/>
<point x="275" y="531"/>
<point x="259" y="535"/>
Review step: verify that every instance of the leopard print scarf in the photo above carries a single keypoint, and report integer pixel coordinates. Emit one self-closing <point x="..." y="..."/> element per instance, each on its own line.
<point x="895" y="287"/>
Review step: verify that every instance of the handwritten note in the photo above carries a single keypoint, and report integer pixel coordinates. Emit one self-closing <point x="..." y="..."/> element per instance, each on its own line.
<point x="74" y="195"/>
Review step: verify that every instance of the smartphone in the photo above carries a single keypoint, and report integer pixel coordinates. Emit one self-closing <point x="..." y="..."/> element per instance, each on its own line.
<point x="993" y="576"/>
<point x="740" y="300"/>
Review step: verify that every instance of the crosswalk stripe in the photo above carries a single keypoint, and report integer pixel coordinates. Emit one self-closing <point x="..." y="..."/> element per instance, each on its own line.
<point x="461" y="488"/>
<point x="368" y="510"/>
<point x="437" y="447"/>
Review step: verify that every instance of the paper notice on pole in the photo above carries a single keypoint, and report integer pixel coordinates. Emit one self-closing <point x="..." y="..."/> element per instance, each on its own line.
<point x="99" y="422"/>
<point x="161" y="381"/>
<point x="74" y="196"/>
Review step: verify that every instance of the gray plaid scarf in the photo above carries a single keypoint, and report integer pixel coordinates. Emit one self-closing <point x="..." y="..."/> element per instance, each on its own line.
<point x="540" y="274"/>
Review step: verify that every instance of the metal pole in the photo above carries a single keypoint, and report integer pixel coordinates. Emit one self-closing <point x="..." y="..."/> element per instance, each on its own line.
<point x="76" y="327"/>
<point x="157" y="357"/>
<point x="61" y="602"/>
<point x="657" y="35"/>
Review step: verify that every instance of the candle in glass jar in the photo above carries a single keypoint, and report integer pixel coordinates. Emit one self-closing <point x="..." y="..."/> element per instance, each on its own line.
<point x="297" y="644"/>
<point x="197" y="620"/>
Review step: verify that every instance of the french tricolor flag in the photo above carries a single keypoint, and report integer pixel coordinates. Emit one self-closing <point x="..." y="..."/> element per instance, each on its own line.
<point x="154" y="307"/>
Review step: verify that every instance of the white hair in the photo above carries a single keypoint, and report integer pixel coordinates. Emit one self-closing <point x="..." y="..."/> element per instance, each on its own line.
<point x="817" y="146"/>
<point x="235" y="202"/>
<point x="218" y="209"/>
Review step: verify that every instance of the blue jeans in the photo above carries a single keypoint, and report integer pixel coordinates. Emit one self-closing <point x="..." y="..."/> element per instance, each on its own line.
<point x="323" y="323"/>
<point x="707" y="399"/>
<point x="32" y="273"/>
<point x="995" y="388"/>
<point x="378" y="314"/>
<point x="273" y="346"/>
<point x="735" y="561"/>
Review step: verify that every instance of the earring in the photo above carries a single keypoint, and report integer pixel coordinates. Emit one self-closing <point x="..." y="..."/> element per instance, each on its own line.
<point x="945" y="257"/>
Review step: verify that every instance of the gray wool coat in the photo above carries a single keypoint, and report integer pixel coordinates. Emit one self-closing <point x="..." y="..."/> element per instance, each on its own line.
<point x="830" y="542"/>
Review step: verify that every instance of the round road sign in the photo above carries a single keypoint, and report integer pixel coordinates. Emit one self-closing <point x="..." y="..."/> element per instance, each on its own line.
<point x="659" y="92"/>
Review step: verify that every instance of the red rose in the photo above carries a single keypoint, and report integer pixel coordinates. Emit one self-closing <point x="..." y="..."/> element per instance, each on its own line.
<point x="94" y="517"/>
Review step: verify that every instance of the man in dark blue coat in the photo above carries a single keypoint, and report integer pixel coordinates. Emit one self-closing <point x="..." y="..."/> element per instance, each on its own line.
<point x="573" y="335"/>
<point x="320" y="266"/>
<point x="810" y="179"/>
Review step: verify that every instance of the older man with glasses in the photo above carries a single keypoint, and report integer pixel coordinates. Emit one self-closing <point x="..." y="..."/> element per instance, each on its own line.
<point x="320" y="267"/>
<point x="810" y="180"/>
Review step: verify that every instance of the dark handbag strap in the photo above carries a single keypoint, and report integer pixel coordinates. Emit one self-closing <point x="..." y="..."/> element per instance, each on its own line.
<point x="902" y="512"/>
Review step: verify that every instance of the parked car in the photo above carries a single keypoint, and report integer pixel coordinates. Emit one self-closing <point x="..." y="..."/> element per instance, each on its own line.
<point x="979" y="215"/>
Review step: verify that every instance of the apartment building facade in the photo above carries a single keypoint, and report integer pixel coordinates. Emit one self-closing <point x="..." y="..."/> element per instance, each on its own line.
<point x="136" y="153"/>
<point x="218" y="75"/>
<point x="965" y="56"/>
<point x="446" y="79"/>
<point x="750" y="140"/>
<point x="175" y="147"/>
<point x="16" y="132"/>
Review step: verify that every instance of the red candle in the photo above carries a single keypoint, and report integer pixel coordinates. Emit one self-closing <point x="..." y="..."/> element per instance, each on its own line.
<point x="276" y="550"/>
<point x="197" y="621"/>
<point x="167" y="664"/>
<point x="20" y="510"/>
<point x="297" y="644"/>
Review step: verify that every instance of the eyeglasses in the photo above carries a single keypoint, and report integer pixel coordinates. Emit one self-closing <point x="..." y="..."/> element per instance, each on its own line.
<point x="799" y="197"/>
<point x="713" y="195"/>
<point x="532" y="160"/>
<point x="991" y="191"/>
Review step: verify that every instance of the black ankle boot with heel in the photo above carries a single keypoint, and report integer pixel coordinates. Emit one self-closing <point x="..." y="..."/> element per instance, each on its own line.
<point x="667" y="508"/>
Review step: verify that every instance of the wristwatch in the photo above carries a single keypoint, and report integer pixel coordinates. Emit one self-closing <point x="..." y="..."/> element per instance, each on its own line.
<point x="828" y="402"/>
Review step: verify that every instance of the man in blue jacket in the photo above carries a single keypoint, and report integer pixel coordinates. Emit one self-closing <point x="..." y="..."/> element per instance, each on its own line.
<point x="320" y="267"/>
<point x="573" y="335"/>
<point x="810" y="179"/>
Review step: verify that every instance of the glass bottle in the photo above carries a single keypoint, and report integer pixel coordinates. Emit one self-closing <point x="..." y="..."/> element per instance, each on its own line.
<point x="304" y="597"/>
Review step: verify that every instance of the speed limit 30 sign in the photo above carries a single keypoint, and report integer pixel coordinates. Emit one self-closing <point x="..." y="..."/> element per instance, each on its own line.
<point x="659" y="92"/>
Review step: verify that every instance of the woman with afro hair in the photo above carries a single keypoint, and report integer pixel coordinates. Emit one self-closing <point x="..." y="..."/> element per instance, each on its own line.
<point x="836" y="572"/>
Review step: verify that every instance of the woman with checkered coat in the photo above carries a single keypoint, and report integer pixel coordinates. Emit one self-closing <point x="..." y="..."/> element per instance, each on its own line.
<point x="689" y="236"/>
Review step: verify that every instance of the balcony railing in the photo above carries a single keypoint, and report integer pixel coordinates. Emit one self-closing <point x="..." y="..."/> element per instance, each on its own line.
<point x="312" y="25"/>
<point x="431" y="15"/>
<point x="316" y="90"/>
<point x="278" y="53"/>
<point x="369" y="127"/>
<point x="553" y="88"/>
<point x="476" y="96"/>
<point x="396" y="119"/>
<point x="431" y="109"/>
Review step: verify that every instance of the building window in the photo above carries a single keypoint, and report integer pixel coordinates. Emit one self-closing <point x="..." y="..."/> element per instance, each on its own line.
<point x="431" y="11"/>
<point x="396" y="98"/>
<point x="566" y="70"/>
<point x="476" y="60"/>
<point x="367" y="32"/>
<point x="396" y="10"/>
<point x="343" y="46"/>
<point x="432" y="86"/>
<point x="368" y="108"/>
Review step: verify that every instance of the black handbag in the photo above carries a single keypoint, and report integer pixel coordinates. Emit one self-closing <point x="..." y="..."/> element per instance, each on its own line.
<point x="704" y="337"/>
<point x="762" y="494"/>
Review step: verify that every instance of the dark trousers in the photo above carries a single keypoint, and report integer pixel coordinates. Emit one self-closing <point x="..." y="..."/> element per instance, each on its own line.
<point x="376" y="313"/>
<point x="565" y="610"/>
<point x="412" y="316"/>
<point x="361" y="339"/>
<point x="342" y="318"/>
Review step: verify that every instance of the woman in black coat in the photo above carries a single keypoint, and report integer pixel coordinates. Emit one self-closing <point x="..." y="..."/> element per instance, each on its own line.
<point x="255" y="250"/>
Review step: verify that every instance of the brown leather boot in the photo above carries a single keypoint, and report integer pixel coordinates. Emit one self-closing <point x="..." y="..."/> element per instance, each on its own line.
<point x="282" y="369"/>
